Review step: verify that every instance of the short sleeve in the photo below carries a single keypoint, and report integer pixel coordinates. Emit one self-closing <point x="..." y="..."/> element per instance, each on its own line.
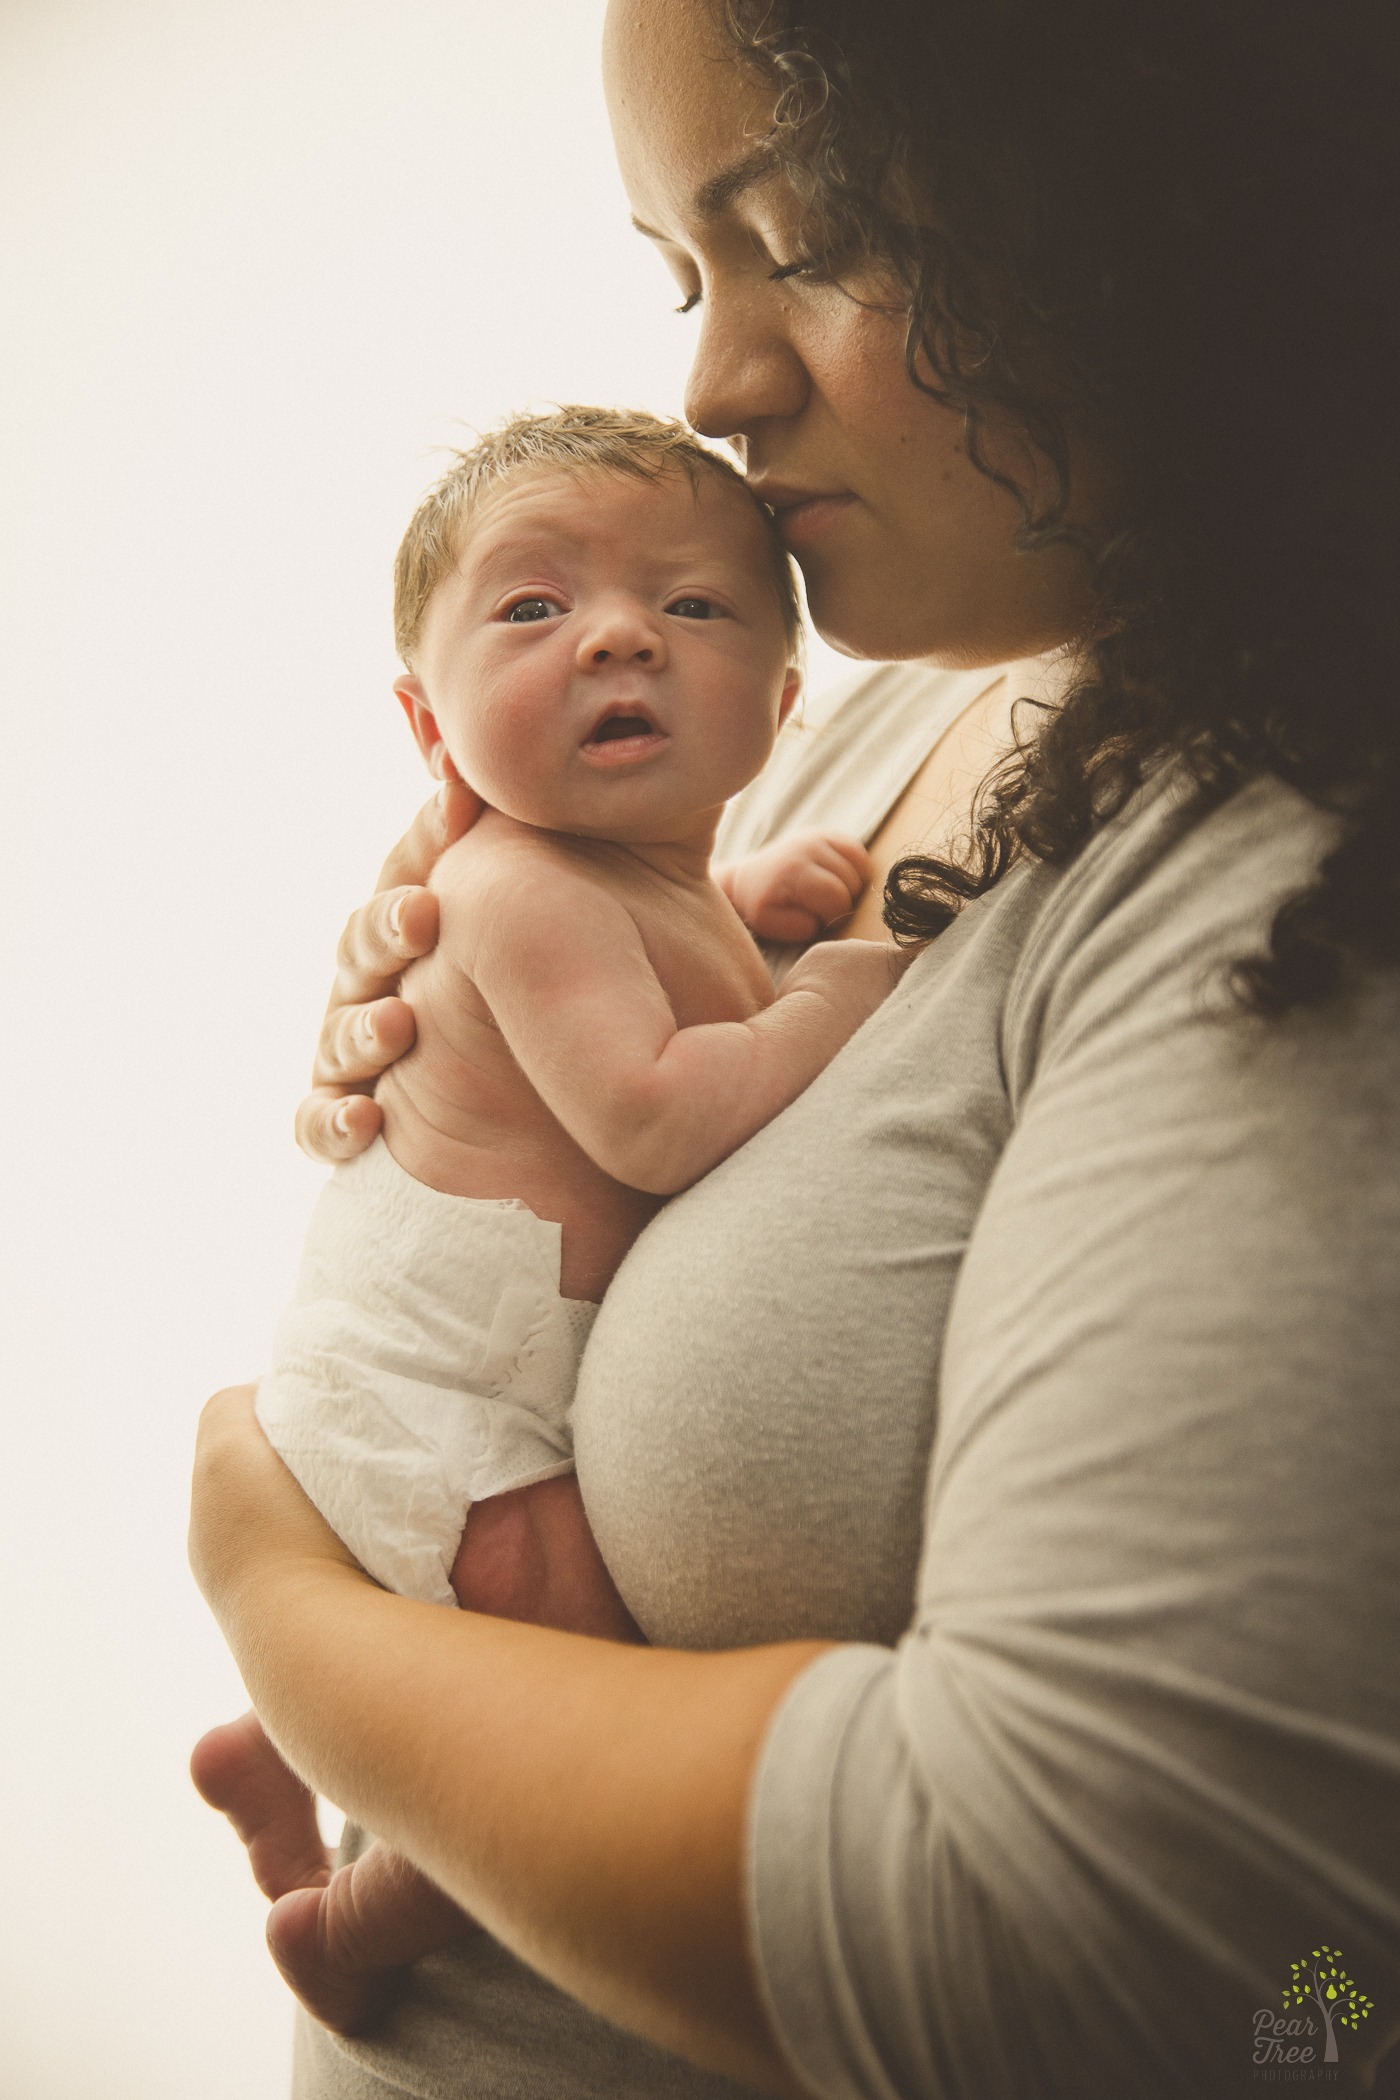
<point x="1140" y="1750"/>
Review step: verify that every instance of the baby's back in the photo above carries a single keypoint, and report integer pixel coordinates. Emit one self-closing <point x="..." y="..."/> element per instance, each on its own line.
<point x="460" y="1112"/>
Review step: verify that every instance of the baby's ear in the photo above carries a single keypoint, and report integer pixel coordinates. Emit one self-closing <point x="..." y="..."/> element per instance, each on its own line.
<point x="792" y="692"/>
<point x="409" y="693"/>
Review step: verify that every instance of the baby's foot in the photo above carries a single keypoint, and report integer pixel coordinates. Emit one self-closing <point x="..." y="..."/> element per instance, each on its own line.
<point x="237" y="1770"/>
<point x="337" y="1946"/>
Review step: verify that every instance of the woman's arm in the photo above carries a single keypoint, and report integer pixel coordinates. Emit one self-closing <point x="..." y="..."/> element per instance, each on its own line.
<point x="587" y="1801"/>
<point x="1141" y="1751"/>
<point x="367" y="1026"/>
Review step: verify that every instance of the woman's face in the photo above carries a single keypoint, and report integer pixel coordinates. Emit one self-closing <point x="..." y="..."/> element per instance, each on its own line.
<point x="906" y="549"/>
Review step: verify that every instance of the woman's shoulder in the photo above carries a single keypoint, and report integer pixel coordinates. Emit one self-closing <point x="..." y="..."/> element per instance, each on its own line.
<point x="1145" y="926"/>
<point x="1214" y="857"/>
<point x="845" y="762"/>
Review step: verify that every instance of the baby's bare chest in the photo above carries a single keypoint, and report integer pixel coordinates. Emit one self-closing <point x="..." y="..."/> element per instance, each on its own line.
<point x="704" y="960"/>
<point x="695" y="944"/>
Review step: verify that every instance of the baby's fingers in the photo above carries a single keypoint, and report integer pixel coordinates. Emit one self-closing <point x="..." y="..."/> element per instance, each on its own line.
<point x="824" y="892"/>
<point x="787" y="923"/>
<point x="847" y="859"/>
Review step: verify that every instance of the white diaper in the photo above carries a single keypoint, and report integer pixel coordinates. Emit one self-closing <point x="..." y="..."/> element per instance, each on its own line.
<point x="425" y="1362"/>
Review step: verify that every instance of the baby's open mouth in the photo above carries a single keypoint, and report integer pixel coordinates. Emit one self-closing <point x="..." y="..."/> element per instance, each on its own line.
<point x="623" y="733"/>
<point x="619" y="726"/>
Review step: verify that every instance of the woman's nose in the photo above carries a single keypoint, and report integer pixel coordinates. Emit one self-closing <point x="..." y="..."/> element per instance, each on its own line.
<point x="745" y="373"/>
<point x="621" y="631"/>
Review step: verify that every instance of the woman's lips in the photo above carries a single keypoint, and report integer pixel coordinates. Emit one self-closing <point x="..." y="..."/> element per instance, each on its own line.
<point x="804" y="518"/>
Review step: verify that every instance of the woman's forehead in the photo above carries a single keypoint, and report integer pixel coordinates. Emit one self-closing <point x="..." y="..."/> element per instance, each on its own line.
<point x="688" y="121"/>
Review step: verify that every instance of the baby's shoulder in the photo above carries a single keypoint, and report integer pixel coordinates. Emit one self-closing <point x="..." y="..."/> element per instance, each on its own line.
<point x="496" y="852"/>
<point x="503" y="876"/>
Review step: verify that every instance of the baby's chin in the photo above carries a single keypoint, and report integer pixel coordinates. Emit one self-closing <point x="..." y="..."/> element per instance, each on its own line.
<point x="669" y="829"/>
<point x="630" y="813"/>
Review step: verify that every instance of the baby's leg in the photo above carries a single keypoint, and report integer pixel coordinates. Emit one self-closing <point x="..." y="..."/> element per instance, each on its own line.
<point x="337" y="1938"/>
<point x="237" y="1770"/>
<point x="338" y="1946"/>
<point x="530" y="1555"/>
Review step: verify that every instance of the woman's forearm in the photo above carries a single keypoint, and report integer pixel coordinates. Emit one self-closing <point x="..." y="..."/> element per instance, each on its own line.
<point x="586" y="1801"/>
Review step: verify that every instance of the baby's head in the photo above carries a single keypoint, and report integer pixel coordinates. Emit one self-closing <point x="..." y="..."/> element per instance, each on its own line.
<point x="598" y="623"/>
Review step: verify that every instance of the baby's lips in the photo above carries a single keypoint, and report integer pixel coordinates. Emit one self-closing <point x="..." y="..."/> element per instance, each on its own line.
<point x="625" y="724"/>
<point x="624" y="750"/>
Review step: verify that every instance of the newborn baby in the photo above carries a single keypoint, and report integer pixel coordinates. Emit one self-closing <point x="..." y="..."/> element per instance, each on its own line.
<point x="600" y="632"/>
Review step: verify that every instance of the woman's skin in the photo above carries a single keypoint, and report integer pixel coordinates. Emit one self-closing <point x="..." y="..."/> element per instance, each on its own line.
<point x="587" y="1801"/>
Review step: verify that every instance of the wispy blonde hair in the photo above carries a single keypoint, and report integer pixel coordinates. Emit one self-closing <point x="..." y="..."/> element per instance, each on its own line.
<point x="571" y="439"/>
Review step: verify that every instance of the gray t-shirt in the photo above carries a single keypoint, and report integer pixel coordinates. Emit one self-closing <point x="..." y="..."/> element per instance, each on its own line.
<point x="1139" y="1753"/>
<point x="1141" y="1749"/>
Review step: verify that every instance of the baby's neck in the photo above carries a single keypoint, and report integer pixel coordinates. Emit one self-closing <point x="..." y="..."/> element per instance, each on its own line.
<point x="683" y="862"/>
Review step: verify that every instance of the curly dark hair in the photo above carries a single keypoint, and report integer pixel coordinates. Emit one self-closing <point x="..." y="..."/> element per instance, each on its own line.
<point x="1176" y="223"/>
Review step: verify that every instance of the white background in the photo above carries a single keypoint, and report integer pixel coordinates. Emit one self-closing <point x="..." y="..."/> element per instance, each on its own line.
<point x="261" y="257"/>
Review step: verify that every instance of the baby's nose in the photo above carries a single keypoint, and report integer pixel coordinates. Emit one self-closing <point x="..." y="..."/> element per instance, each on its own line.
<point x="621" y="632"/>
<point x="643" y="655"/>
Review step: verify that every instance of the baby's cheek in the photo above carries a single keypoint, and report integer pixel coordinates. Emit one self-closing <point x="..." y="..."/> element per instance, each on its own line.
<point x="739" y="729"/>
<point x="512" y="755"/>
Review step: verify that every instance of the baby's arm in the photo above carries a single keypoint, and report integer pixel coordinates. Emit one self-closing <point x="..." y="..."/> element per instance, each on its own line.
<point x="565" y="972"/>
<point x="791" y="889"/>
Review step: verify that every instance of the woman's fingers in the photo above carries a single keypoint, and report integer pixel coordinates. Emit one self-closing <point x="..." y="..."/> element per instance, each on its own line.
<point x="367" y="1026"/>
<point x="379" y="942"/>
<point x="332" y="1126"/>
<point x="338" y="1119"/>
<point x="358" y="1042"/>
<point x="400" y="922"/>
<point x="438" y="825"/>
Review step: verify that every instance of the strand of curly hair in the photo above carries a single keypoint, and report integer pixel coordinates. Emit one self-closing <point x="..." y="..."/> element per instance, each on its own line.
<point x="1171" y="223"/>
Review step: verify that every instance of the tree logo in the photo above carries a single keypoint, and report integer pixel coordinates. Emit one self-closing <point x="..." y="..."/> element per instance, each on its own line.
<point x="1316" y="1979"/>
<point x="1320" y="1977"/>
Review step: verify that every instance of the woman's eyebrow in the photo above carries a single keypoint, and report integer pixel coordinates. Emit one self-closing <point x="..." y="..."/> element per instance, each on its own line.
<point x="718" y="192"/>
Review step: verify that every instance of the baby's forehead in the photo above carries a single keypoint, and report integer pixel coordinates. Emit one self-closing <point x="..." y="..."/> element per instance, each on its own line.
<point x="595" y="509"/>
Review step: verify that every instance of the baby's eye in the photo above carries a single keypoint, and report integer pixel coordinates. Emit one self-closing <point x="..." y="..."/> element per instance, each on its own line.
<point x="527" y="609"/>
<point x="694" y="609"/>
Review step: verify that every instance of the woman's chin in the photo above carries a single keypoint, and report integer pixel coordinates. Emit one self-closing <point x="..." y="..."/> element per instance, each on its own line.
<point x="873" y="618"/>
<point x="852" y="621"/>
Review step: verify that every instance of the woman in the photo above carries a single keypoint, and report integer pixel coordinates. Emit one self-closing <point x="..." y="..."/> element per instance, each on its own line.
<point x="1047" y="328"/>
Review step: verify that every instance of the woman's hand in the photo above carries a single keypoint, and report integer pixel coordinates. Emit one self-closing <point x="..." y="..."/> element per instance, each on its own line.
<point x="367" y="1026"/>
<point x="586" y="1799"/>
<point x="250" y="1523"/>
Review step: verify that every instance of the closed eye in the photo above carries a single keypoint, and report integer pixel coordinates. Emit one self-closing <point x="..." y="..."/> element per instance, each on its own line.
<point x="817" y="269"/>
<point x="526" y="610"/>
<point x="810" y="267"/>
<point x="695" y="609"/>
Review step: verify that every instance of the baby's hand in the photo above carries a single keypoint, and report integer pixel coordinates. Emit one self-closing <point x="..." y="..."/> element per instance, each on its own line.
<point x="850" y="977"/>
<point x="791" y="889"/>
